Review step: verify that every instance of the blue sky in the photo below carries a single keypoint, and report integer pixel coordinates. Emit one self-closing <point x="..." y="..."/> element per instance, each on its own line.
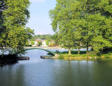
<point x="39" y="16"/>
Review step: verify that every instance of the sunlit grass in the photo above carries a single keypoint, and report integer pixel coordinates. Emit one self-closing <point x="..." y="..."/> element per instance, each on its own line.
<point x="83" y="56"/>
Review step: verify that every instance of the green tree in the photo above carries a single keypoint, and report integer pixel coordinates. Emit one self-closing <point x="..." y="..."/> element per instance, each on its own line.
<point x="15" y="34"/>
<point x="39" y="43"/>
<point x="32" y="42"/>
<point x="83" y="23"/>
<point x="61" y="22"/>
<point x="99" y="22"/>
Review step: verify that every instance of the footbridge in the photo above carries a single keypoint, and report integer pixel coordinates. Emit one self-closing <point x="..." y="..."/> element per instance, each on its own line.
<point x="40" y="48"/>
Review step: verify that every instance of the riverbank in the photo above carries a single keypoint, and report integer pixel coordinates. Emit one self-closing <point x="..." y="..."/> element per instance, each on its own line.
<point x="83" y="56"/>
<point x="91" y="56"/>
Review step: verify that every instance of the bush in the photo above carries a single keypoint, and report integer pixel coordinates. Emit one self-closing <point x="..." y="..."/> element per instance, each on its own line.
<point x="61" y="57"/>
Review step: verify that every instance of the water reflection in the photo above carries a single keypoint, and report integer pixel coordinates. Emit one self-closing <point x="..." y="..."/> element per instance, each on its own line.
<point x="102" y="74"/>
<point x="72" y="74"/>
<point x="8" y="62"/>
<point x="12" y="76"/>
<point x="39" y="72"/>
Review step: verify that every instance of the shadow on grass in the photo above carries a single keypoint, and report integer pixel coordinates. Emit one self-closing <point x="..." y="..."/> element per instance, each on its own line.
<point x="72" y="52"/>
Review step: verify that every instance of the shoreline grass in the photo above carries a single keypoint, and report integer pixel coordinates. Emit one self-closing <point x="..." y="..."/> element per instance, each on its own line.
<point x="91" y="56"/>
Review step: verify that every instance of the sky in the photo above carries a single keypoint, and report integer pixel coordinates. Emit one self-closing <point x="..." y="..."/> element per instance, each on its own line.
<point x="39" y="16"/>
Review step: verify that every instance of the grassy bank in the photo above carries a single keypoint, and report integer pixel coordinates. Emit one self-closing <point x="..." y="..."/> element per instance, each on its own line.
<point x="83" y="56"/>
<point x="76" y="57"/>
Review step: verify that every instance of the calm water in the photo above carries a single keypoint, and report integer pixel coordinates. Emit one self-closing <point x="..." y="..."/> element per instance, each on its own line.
<point x="39" y="72"/>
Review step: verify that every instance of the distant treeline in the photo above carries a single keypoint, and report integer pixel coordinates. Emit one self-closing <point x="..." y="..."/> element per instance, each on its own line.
<point x="44" y="37"/>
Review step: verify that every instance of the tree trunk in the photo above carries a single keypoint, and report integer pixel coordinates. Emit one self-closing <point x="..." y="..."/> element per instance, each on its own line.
<point x="78" y="50"/>
<point x="69" y="52"/>
<point x="2" y="51"/>
<point x="87" y="48"/>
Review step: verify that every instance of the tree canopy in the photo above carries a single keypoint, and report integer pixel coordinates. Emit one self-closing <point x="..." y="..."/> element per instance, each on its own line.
<point x="14" y="16"/>
<point x="83" y="23"/>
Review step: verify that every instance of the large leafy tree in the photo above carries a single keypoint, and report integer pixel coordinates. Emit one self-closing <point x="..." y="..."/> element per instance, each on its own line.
<point x="15" y="17"/>
<point x="100" y="15"/>
<point x="62" y="23"/>
<point x="2" y="8"/>
<point x="83" y="23"/>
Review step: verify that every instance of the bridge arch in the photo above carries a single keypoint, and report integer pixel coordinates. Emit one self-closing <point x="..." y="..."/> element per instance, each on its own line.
<point x="51" y="53"/>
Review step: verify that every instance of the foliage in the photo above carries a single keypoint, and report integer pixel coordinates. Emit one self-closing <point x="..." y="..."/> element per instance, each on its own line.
<point x="83" y="23"/>
<point x="47" y="42"/>
<point x="32" y="42"/>
<point x="39" y="43"/>
<point x="45" y="37"/>
<point x="14" y="18"/>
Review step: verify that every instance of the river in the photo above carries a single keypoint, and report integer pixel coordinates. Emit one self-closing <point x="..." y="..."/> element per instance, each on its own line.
<point x="40" y="72"/>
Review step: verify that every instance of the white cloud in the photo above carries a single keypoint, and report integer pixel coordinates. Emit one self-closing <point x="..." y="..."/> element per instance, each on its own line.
<point x="37" y="1"/>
